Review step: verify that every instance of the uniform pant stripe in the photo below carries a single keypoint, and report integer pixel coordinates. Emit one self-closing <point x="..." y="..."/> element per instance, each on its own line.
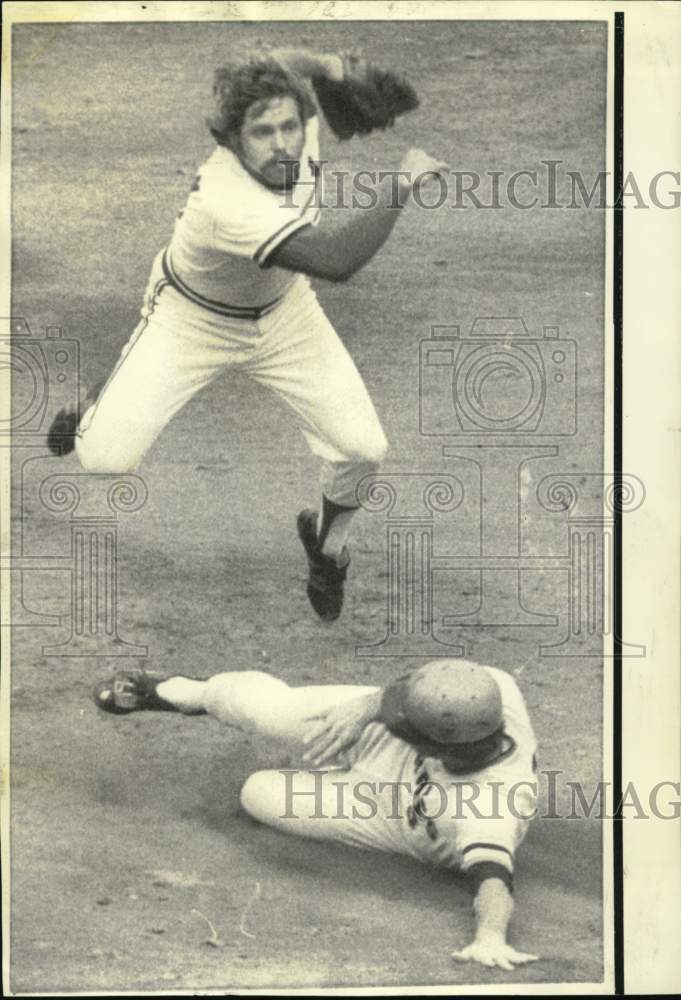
<point x="141" y="327"/>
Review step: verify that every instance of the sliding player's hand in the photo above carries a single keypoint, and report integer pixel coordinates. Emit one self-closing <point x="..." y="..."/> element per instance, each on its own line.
<point x="493" y="953"/>
<point x="336" y="729"/>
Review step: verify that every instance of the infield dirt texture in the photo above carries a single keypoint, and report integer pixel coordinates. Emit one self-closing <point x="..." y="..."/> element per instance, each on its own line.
<point x="128" y="843"/>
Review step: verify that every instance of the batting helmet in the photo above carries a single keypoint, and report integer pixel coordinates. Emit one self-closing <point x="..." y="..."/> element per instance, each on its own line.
<point x="447" y="701"/>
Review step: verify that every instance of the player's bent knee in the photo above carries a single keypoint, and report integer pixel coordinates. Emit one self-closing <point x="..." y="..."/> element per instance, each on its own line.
<point x="370" y="450"/>
<point x="380" y="449"/>
<point x="292" y="801"/>
<point x="103" y="460"/>
<point x="261" y="797"/>
<point x="103" y="465"/>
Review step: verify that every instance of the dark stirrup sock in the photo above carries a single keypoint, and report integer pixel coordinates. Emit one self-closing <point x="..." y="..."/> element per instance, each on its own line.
<point x="330" y="511"/>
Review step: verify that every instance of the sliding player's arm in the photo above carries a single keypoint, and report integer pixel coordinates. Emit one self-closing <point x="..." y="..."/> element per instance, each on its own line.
<point x="493" y="906"/>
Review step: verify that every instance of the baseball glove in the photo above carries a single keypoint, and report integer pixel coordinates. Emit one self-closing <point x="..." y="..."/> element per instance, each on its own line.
<point x="365" y="99"/>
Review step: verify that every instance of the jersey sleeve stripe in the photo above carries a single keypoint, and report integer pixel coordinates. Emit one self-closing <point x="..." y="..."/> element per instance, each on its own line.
<point x="478" y="853"/>
<point x="267" y="249"/>
<point x="489" y="847"/>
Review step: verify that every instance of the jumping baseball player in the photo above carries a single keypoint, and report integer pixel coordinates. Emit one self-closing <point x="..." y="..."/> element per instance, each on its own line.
<point x="232" y="291"/>
<point x="439" y="765"/>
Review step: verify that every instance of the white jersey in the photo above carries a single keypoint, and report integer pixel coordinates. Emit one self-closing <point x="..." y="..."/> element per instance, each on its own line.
<point x="232" y="223"/>
<point x="459" y="820"/>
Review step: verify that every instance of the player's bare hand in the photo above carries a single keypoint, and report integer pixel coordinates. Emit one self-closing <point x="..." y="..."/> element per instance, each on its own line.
<point x="493" y="953"/>
<point x="354" y="65"/>
<point x="337" y="728"/>
<point x="421" y="168"/>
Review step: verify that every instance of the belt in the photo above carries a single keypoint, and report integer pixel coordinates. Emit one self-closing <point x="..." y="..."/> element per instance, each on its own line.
<point x="221" y="308"/>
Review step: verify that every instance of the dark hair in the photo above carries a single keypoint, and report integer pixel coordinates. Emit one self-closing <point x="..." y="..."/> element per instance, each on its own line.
<point x="237" y="89"/>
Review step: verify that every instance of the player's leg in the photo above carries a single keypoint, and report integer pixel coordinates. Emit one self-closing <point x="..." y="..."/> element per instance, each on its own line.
<point x="260" y="703"/>
<point x="304" y="362"/>
<point x="248" y="699"/>
<point x="173" y="353"/>
<point x="349" y="807"/>
<point x="300" y="802"/>
<point x="357" y="806"/>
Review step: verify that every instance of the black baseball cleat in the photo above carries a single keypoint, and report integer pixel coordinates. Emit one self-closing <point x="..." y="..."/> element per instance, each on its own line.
<point x="131" y="691"/>
<point x="61" y="437"/>
<point x="326" y="576"/>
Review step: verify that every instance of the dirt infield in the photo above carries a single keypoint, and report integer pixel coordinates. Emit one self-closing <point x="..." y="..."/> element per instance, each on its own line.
<point x="132" y="866"/>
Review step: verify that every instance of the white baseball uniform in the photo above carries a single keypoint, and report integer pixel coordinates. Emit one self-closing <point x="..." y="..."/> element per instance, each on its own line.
<point x="212" y="303"/>
<point x="382" y="794"/>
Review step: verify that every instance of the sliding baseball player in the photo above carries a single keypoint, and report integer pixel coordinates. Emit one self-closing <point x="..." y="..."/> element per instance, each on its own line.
<point x="231" y="290"/>
<point x="439" y="765"/>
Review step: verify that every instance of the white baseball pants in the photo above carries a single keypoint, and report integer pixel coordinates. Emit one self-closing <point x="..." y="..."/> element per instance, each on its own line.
<point x="365" y="798"/>
<point x="180" y="347"/>
<point x="304" y="802"/>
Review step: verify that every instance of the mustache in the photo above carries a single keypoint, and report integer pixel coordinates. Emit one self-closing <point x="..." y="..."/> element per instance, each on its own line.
<point x="287" y="162"/>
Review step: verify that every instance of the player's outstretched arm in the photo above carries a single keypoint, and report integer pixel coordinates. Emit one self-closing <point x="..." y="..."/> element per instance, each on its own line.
<point x="493" y="906"/>
<point x="337" y="254"/>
